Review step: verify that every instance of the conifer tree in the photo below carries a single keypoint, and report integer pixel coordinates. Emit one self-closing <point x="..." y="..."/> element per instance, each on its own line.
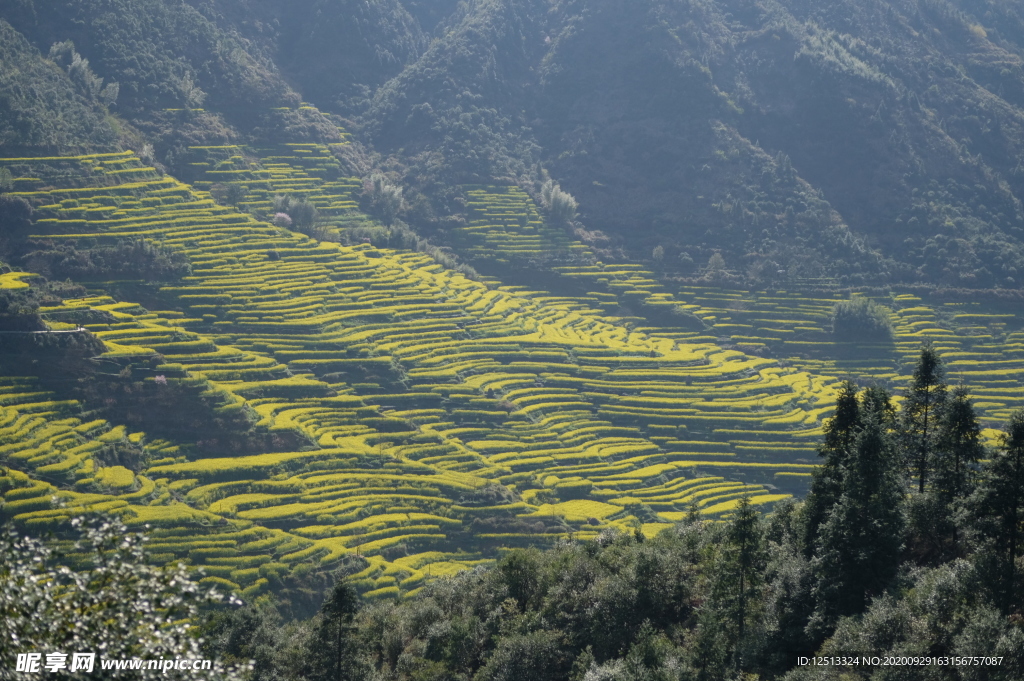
<point x="826" y="486"/>
<point x="743" y="563"/>
<point x="858" y="548"/>
<point x="737" y="577"/>
<point x="878" y="401"/>
<point x="998" y="513"/>
<point x="958" y="447"/>
<point x="332" y="655"/>
<point x="934" y="535"/>
<point x="921" y="413"/>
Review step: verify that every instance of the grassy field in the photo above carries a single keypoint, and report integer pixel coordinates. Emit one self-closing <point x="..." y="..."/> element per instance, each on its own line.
<point x="445" y="419"/>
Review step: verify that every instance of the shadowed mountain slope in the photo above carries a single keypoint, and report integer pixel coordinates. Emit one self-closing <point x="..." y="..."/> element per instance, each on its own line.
<point x="868" y="141"/>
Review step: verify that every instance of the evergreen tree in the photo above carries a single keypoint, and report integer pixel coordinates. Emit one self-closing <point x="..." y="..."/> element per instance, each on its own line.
<point x="934" y="536"/>
<point x="826" y="485"/>
<point x="788" y="602"/>
<point x="748" y="557"/>
<point x="243" y="634"/>
<point x="737" y="577"/>
<point x="921" y="414"/>
<point x="857" y="551"/>
<point x="958" y="448"/>
<point x="744" y="563"/>
<point x="998" y="513"/>
<point x="332" y="653"/>
<point x="878" y="401"/>
<point x="709" y="650"/>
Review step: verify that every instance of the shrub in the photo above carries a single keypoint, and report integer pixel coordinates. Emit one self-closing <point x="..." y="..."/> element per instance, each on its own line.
<point x="86" y="81"/>
<point x="302" y="212"/>
<point x="861" y="319"/>
<point x="128" y="258"/>
<point x="385" y="199"/>
<point x="561" y="205"/>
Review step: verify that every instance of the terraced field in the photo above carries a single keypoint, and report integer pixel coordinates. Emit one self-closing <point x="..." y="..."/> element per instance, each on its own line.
<point x="444" y="419"/>
<point x="51" y="453"/>
<point x="503" y="224"/>
<point x="307" y="171"/>
<point x="981" y="344"/>
<point x="419" y="391"/>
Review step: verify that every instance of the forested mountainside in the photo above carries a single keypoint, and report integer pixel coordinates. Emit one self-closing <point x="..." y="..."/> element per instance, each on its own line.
<point x="42" y="106"/>
<point x="171" y="75"/>
<point x="852" y="139"/>
<point x="858" y="140"/>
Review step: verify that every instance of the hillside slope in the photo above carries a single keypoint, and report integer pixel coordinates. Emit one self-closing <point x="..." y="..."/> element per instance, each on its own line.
<point x="40" y="105"/>
<point x="861" y="140"/>
<point x="183" y="74"/>
<point x="289" y="404"/>
<point x="281" y="384"/>
<point x="401" y="412"/>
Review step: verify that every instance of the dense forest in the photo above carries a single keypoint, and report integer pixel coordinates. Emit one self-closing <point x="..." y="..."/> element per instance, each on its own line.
<point x="869" y="142"/>
<point x="499" y="340"/>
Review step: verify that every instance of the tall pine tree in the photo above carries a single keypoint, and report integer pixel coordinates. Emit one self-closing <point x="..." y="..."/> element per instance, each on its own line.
<point x="998" y="513"/>
<point x="826" y="485"/>
<point x="934" y="533"/>
<point x="958" y="448"/>
<point x="744" y="562"/>
<point x="921" y="412"/>
<point x="858" y="548"/>
<point x="332" y="650"/>
<point x="878" y="401"/>
<point x="738" y="575"/>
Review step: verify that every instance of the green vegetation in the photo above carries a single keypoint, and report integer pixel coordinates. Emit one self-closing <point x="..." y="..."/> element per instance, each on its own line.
<point x="559" y="204"/>
<point x="704" y="157"/>
<point x="169" y="61"/>
<point x="525" y="368"/>
<point x="40" y="104"/>
<point x="861" y="320"/>
<point x="685" y="131"/>
<point x="131" y="259"/>
<point x="372" y="391"/>
<point x="701" y="600"/>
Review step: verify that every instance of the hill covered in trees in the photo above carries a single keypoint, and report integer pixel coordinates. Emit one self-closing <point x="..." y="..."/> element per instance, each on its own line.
<point x="862" y="141"/>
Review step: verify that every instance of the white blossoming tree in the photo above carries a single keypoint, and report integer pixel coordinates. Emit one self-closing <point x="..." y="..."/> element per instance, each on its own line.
<point x="119" y="607"/>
